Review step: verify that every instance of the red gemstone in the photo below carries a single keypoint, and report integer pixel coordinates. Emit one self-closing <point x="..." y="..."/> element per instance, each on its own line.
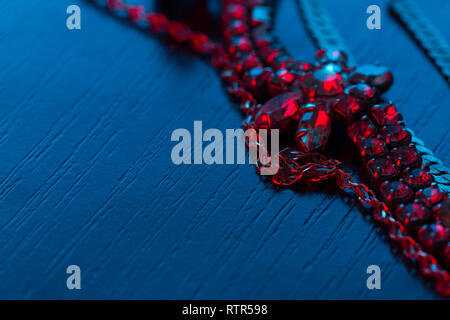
<point x="236" y="11"/>
<point x="376" y="76"/>
<point x="405" y="156"/>
<point x="442" y="212"/>
<point x="372" y="148"/>
<point x="313" y="130"/>
<point x="382" y="169"/>
<point x="268" y="54"/>
<point x="286" y="76"/>
<point x="418" y="178"/>
<point x="240" y="44"/>
<point x="255" y="80"/>
<point x="385" y="114"/>
<point x="251" y="61"/>
<point x="396" y="135"/>
<point x="363" y="92"/>
<point x="395" y="192"/>
<point x="413" y="215"/>
<point x="281" y="112"/>
<point x="158" y="22"/>
<point x="433" y="236"/>
<point x="238" y="27"/>
<point x="325" y="81"/>
<point x="361" y="130"/>
<point x="346" y="108"/>
<point x="178" y="31"/>
<point x="431" y="196"/>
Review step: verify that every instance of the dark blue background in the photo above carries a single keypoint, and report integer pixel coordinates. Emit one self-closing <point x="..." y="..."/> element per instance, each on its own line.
<point x="86" y="177"/>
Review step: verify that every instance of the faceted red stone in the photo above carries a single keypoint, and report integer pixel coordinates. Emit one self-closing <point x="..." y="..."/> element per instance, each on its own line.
<point x="396" y="135"/>
<point x="237" y="11"/>
<point x="313" y="130"/>
<point x="325" y="81"/>
<point x="286" y="75"/>
<point x="255" y="80"/>
<point x="251" y="61"/>
<point x="178" y="31"/>
<point x="361" y="130"/>
<point x="238" y="27"/>
<point x="382" y="169"/>
<point x="405" y="156"/>
<point x="442" y="212"/>
<point x="158" y="22"/>
<point x="346" y="108"/>
<point x="281" y="112"/>
<point x="396" y="192"/>
<point x="268" y="54"/>
<point x="372" y="148"/>
<point x="431" y="196"/>
<point x="385" y="114"/>
<point x="433" y="236"/>
<point x="418" y="178"/>
<point x="412" y="215"/>
<point x="365" y="93"/>
<point x="376" y="76"/>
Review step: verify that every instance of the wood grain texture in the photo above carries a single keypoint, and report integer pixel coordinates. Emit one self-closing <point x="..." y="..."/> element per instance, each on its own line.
<point x="86" y="177"/>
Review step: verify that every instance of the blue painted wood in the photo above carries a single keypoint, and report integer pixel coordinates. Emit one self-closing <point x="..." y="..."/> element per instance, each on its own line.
<point x="86" y="177"/>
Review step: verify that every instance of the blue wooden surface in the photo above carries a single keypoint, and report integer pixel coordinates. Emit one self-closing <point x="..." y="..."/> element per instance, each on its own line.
<point x="86" y="177"/>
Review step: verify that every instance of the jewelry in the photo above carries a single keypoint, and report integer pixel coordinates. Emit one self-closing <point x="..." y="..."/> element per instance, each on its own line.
<point x="305" y="98"/>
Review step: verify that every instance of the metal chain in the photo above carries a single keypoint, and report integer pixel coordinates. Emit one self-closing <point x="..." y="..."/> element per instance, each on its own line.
<point x="440" y="173"/>
<point x="322" y="29"/>
<point x="423" y="30"/>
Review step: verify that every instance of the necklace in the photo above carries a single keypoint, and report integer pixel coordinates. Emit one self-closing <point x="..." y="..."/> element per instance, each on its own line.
<point x="306" y="98"/>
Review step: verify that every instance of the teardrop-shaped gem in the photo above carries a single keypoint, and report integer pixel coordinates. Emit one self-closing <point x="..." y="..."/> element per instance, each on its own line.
<point x="314" y="129"/>
<point x="281" y="112"/>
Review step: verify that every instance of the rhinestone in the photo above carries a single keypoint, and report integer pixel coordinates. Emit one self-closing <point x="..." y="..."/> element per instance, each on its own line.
<point x="313" y="130"/>
<point x="361" y="129"/>
<point x="281" y="112"/>
<point x="385" y="114"/>
<point x="418" y="178"/>
<point x="382" y="169"/>
<point x="413" y="215"/>
<point x="395" y="192"/>
<point x="377" y="76"/>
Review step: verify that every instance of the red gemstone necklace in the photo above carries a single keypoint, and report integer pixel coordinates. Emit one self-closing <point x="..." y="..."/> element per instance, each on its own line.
<point x="408" y="194"/>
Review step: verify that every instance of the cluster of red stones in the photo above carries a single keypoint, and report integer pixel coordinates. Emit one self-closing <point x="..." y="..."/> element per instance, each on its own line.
<point x="256" y="68"/>
<point x="267" y="71"/>
<point x="394" y="166"/>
